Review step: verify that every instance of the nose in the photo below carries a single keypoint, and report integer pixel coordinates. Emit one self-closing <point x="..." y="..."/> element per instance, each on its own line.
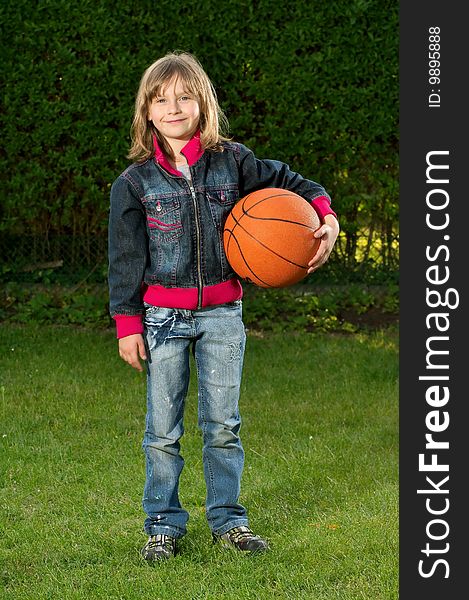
<point x="173" y="107"/>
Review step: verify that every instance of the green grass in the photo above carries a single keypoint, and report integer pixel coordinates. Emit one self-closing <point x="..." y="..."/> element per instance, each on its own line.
<point x="320" y="481"/>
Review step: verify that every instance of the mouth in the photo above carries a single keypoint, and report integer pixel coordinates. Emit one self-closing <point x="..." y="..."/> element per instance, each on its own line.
<point x="175" y="121"/>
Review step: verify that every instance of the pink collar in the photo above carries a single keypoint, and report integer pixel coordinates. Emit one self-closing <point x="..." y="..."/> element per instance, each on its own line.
<point x="192" y="151"/>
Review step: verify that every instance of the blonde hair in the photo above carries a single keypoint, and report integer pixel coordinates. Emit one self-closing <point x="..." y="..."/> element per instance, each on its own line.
<point x="213" y="123"/>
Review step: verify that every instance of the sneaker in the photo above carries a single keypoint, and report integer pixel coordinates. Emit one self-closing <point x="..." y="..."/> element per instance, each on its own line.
<point x="241" y="538"/>
<point x="159" y="547"/>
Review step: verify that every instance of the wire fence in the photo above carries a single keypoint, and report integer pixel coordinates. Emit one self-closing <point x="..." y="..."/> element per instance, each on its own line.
<point x="69" y="256"/>
<point x="72" y="258"/>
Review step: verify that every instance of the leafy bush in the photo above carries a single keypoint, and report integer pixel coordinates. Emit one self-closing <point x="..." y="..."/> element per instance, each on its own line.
<point x="314" y="86"/>
<point x="41" y="304"/>
<point x="336" y="308"/>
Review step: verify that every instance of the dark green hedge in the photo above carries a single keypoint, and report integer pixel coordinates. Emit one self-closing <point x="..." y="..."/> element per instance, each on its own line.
<point x="314" y="84"/>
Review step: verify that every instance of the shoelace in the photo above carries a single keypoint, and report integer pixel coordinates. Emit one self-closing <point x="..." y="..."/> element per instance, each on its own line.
<point x="238" y="534"/>
<point x="161" y="540"/>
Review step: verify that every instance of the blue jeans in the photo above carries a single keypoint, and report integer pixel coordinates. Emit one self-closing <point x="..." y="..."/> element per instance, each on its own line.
<point x="217" y="337"/>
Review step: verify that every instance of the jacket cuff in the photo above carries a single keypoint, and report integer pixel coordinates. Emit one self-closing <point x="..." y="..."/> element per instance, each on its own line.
<point x="322" y="205"/>
<point x="128" y="325"/>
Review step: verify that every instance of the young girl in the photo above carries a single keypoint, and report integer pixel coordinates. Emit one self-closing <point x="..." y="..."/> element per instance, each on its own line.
<point x="172" y="289"/>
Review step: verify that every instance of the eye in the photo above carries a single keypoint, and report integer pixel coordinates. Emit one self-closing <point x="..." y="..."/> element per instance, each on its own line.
<point x="185" y="98"/>
<point x="159" y="100"/>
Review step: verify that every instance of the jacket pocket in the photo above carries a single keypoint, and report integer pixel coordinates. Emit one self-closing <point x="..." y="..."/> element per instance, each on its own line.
<point x="164" y="218"/>
<point x="221" y="202"/>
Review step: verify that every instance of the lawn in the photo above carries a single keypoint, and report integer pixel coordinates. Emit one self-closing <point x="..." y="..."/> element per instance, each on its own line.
<point x="320" y="432"/>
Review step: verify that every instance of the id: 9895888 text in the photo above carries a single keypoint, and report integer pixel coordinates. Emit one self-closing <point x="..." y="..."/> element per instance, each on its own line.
<point x="434" y="64"/>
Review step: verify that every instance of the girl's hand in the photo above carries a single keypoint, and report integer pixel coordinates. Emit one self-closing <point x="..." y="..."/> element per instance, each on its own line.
<point x="328" y="233"/>
<point x="131" y="348"/>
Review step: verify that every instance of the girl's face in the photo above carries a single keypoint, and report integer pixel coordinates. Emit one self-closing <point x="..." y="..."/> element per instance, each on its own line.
<point x="175" y="113"/>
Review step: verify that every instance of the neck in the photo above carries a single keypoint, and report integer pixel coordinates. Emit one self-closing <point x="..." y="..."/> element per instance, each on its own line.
<point x="176" y="147"/>
<point x="179" y="160"/>
<point x="192" y="152"/>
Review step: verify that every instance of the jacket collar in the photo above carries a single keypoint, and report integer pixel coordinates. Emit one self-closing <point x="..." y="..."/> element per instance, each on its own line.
<point x="192" y="151"/>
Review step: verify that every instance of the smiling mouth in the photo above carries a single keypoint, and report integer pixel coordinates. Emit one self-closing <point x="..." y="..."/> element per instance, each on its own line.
<point x="176" y="121"/>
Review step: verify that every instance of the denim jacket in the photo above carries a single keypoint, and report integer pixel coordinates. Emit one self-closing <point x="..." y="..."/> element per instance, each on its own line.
<point x="166" y="232"/>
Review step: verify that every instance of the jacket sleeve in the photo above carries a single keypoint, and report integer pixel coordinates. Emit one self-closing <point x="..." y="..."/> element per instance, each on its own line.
<point x="257" y="174"/>
<point x="127" y="250"/>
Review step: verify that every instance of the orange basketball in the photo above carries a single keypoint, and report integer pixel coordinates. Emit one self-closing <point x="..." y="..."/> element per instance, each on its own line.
<point x="269" y="237"/>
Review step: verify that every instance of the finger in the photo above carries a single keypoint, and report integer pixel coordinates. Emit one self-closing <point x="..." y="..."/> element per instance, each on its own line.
<point x="315" y="267"/>
<point x="321" y="231"/>
<point x="135" y="363"/>
<point x="141" y="350"/>
<point x="317" y="258"/>
<point x="317" y="262"/>
<point x="131" y="358"/>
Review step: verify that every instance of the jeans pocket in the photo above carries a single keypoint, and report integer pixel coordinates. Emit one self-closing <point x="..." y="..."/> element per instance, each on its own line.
<point x="150" y="309"/>
<point x="157" y="315"/>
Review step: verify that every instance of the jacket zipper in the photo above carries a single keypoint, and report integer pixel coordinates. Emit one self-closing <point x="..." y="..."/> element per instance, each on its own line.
<point x="197" y="237"/>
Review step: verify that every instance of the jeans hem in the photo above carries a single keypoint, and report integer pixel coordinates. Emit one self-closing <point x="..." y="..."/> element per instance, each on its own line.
<point x="164" y="529"/>
<point x="230" y="525"/>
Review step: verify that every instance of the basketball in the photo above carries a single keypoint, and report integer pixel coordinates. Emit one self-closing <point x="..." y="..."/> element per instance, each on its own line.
<point x="268" y="237"/>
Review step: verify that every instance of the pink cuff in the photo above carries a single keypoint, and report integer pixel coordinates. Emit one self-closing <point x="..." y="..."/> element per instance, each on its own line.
<point x="128" y="325"/>
<point x="322" y="206"/>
